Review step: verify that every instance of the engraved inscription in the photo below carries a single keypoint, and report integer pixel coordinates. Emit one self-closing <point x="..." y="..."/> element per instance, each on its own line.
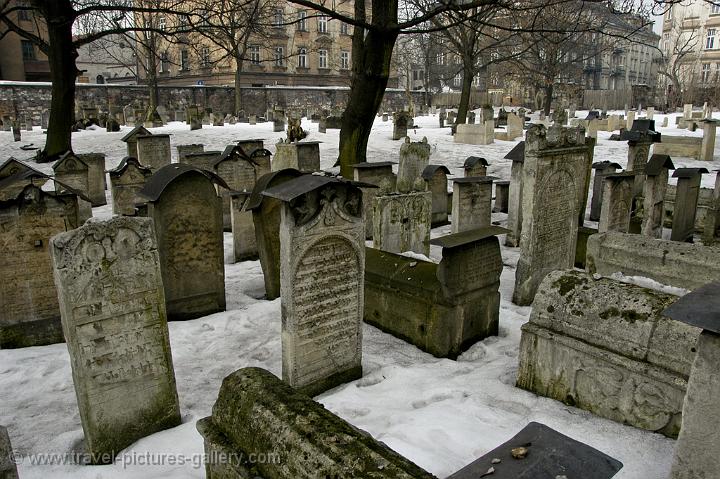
<point x="553" y="222"/>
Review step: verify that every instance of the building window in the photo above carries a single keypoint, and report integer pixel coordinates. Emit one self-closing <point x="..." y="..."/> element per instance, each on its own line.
<point x="279" y="56"/>
<point x="279" y="18"/>
<point x="205" y="57"/>
<point x="302" y="21"/>
<point x="440" y="58"/>
<point x="457" y="81"/>
<point x="302" y="58"/>
<point x="705" y="72"/>
<point x="28" y="50"/>
<point x="255" y="54"/>
<point x="184" y="63"/>
<point x="715" y="9"/>
<point x="344" y="28"/>
<point x="164" y="62"/>
<point x="162" y="23"/>
<point x="322" y="59"/>
<point x="710" y="39"/>
<point x="344" y="60"/>
<point x="322" y="24"/>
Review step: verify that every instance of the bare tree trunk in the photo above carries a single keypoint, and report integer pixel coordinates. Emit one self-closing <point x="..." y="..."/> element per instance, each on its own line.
<point x="152" y="84"/>
<point x="549" y="86"/>
<point x="238" y="87"/>
<point x="466" y="89"/>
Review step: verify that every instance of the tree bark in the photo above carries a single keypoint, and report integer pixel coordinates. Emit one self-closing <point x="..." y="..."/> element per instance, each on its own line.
<point x="61" y="54"/>
<point x="466" y="89"/>
<point x="549" y="86"/>
<point x="238" y="87"/>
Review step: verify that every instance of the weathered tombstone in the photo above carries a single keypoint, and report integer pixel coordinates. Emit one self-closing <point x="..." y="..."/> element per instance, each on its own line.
<point x="266" y="219"/>
<point x="8" y="467"/>
<point x="322" y="125"/>
<point x="548" y="453"/>
<point x="694" y="456"/>
<point x="414" y="158"/>
<point x="475" y="166"/>
<point x="656" y="173"/>
<point x="630" y="119"/>
<point x="279" y="123"/>
<point x="126" y="180"/>
<point x="559" y="117"/>
<point x="252" y="120"/>
<point x="401" y="121"/>
<point x="113" y="315"/>
<point x="436" y="177"/>
<point x="487" y="113"/>
<point x="243" y="229"/>
<point x="45" y="118"/>
<point x="592" y="127"/>
<point x="384" y="117"/>
<point x="471" y="203"/>
<point x="441" y="119"/>
<point x="203" y="160"/>
<point x="71" y="171"/>
<point x="478" y="134"/>
<point x="31" y="315"/>
<point x="131" y="139"/>
<point x="650" y="113"/>
<point x="514" y="221"/>
<point x="687" y="111"/>
<point x="502" y="195"/>
<point x="640" y="138"/>
<point x="470" y="117"/>
<point x="515" y="126"/>
<point x="402" y="222"/>
<point x="557" y="162"/>
<point x="6" y="123"/>
<point x="707" y="148"/>
<point x="217" y="119"/>
<point x="322" y="250"/>
<point x="184" y="150"/>
<point x="688" y="189"/>
<point x="96" y="177"/>
<point x="249" y="146"/>
<point x="112" y="125"/>
<point x="153" y="151"/>
<point x="379" y="174"/>
<point x="712" y="217"/>
<point x="601" y="168"/>
<point x="664" y="122"/>
<point x="616" y="202"/>
<point x="187" y="211"/>
<point x="17" y="135"/>
<point x="12" y="166"/>
<point x="302" y="155"/>
<point x="195" y="123"/>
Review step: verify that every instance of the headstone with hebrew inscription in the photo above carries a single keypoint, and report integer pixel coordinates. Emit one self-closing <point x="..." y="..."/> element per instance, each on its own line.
<point x="617" y="202"/>
<point x="126" y="180"/>
<point x="322" y="244"/>
<point x="471" y="203"/>
<point x="113" y="315"/>
<point x="402" y="222"/>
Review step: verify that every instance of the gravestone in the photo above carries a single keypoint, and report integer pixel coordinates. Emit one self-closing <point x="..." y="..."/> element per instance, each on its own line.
<point x="187" y="211"/>
<point x="639" y="138"/>
<point x="515" y="127"/>
<point x="113" y="315"/>
<point x="688" y="189"/>
<point x="252" y="120"/>
<point x="712" y="217"/>
<point x="322" y="250"/>
<point x="602" y="168"/>
<point x="279" y="123"/>
<point x="694" y="456"/>
<point x="514" y="221"/>
<point x="126" y="180"/>
<point x="8" y="467"/>
<point x="478" y="134"/>
<point x="184" y="150"/>
<point x="707" y="148"/>
<point x="401" y="122"/>
<point x="130" y="139"/>
<point x="687" y="111"/>
<point x="557" y="162"/>
<point x="436" y="177"/>
<point x="487" y="113"/>
<point x="502" y="195"/>
<point x="17" y="134"/>
<point x="31" y="315"/>
<point x="402" y="222"/>
<point x="243" y="229"/>
<point x="70" y="171"/>
<point x="112" y="125"/>
<point x="195" y="123"/>
<point x="266" y="219"/>
<point x="303" y="156"/>
<point x="441" y="119"/>
<point x="617" y="202"/>
<point x="656" y="179"/>
<point x="203" y="160"/>
<point x="96" y="177"/>
<point x="414" y="158"/>
<point x="475" y="166"/>
<point x="248" y="146"/>
<point x="630" y="119"/>
<point x="470" y="117"/>
<point x="384" y="117"/>
<point x="379" y="174"/>
<point x="153" y="151"/>
<point x="471" y="203"/>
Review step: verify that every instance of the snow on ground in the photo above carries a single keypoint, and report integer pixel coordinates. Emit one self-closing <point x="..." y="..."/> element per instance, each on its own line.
<point x="441" y="414"/>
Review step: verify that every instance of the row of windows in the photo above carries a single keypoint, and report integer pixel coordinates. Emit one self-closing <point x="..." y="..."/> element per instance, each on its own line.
<point x="706" y="72"/>
<point x="279" y="58"/>
<point x="279" y="21"/>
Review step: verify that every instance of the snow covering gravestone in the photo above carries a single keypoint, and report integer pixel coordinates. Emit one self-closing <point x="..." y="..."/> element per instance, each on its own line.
<point x="617" y="202"/>
<point x="113" y="314"/>
<point x="187" y="212"/>
<point x="380" y="174"/>
<point x="471" y="203"/>
<point x="29" y="303"/>
<point x="656" y="179"/>
<point x="153" y="151"/>
<point x="606" y="347"/>
<point x="126" y="180"/>
<point x="555" y="173"/>
<point x="322" y="251"/>
<point x="436" y="178"/>
<point x="303" y="156"/>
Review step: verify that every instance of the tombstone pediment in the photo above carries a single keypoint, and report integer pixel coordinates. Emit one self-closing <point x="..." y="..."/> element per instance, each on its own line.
<point x="431" y="170"/>
<point x="471" y="161"/>
<point x="269" y="180"/>
<point x="69" y="162"/>
<point x="605" y="164"/>
<point x="689" y="172"/>
<point x="126" y="163"/>
<point x="162" y="178"/>
<point x="517" y="153"/>
<point x="657" y="163"/>
<point x="12" y="166"/>
<point x="135" y="132"/>
<point x="465" y="237"/>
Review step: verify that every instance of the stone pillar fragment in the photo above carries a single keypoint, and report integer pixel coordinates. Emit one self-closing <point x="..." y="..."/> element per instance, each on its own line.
<point x="514" y="221"/>
<point x="303" y="156"/>
<point x="379" y="174"/>
<point x="617" y="202"/>
<point x="436" y="178"/>
<point x="601" y="168"/>
<point x="414" y="158"/>
<point x="712" y="217"/>
<point x="707" y="148"/>
<point x="656" y="171"/>
<point x="243" y="228"/>
<point x="685" y="209"/>
<point x="471" y="203"/>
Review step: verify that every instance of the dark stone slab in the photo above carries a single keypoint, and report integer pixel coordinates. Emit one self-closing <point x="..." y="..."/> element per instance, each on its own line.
<point x="601" y="165"/>
<point x="689" y="172"/>
<point x="374" y="164"/>
<point x="657" y="163"/>
<point x="304" y="184"/>
<point x="517" y="153"/>
<point x="471" y="161"/>
<point x="458" y="239"/>
<point x="700" y="308"/>
<point x="550" y="455"/>
<point x="430" y="170"/>
<point x="475" y="179"/>
<point x="165" y="175"/>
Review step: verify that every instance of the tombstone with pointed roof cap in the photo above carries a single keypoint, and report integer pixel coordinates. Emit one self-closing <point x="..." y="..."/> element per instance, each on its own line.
<point x="303" y="156"/>
<point x="475" y="166"/>
<point x="183" y="202"/>
<point x="322" y="250"/>
<point x="707" y="147"/>
<point x="696" y="447"/>
<point x="601" y="168"/>
<point x="131" y="139"/>
<point x="203" y="160"/>
<point x="656" y="180"/>
<point x="266" y="219"/>
<point x="550" y="455"/>
<point x="617" y="202"/>
<point x="96" y="177"/>
<point x="712" y="217"/>
<point x="8" y="467"/>
<point x="686" y="197"/>
<point x="15" y="176"/>
<point x="29" y="302"/>
<point x="126" y="180"/>
<point x="640" y="138"/>
<point x="502" y="194"/>
<point x="153" y="151"/>
<point x="184" y="150"/>
<point x="436" y="177"/>
<point x="71" y="171"/>
<point x="557" y="164"/>
<point x="379" y="174"/>
<point x="414" y="158"/>
<point x="514" y="220"/>
<point x="471" y="203"/>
